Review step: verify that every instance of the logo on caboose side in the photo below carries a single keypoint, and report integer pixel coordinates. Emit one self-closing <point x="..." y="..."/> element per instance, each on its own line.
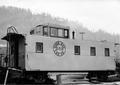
<point x="59" y="48"/>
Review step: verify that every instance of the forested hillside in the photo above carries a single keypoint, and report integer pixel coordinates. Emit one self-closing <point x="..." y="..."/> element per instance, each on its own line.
<point x="24" y="20"/>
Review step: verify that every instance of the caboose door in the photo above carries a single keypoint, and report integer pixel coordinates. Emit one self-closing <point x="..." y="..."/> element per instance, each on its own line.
<point x="15" y="49"/>
<point x="14" y="53"/>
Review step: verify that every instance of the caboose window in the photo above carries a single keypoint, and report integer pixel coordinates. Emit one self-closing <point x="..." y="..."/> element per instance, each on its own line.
<point x="107" y="52"/>
<point x="38" y="30"/>
<point x="92" y="51"/>
<point x="66" y="33"/>
<point x="32" y="32"/>
<point x="60" y="33"/>
<point x="45" y="31"/>
<point x="54" y="32"/>
<point x="39" y="47"/>
<point x="77" y="50"/>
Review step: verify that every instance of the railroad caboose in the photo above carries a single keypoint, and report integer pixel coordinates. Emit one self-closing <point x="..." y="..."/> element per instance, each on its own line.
<point x="53" y="48"/>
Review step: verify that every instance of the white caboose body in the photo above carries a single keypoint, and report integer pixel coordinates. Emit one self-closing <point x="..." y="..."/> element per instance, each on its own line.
<point x="82" y="60"/>
<point x="51" y="48"/>
<point x="55" y="48"/>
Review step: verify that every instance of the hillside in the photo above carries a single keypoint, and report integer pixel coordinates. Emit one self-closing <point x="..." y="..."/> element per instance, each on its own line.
<point x="24" y="20"/>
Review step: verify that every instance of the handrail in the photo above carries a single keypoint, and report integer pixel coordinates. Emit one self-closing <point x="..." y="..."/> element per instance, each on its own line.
<point x="12" y="28"/>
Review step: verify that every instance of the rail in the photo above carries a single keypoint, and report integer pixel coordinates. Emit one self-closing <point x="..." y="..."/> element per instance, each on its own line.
<point x="12" y="28"/>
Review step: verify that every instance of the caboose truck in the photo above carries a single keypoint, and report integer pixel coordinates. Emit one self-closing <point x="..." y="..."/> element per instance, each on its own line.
<point x="51" y="48"/>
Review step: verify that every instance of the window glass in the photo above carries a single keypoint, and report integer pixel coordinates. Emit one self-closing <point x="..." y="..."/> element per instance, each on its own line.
<point x="60" y="33"/>
<point x="92" y="51"/>
<point x="77" y="50"/>
<point x="107" y="52"/>
<point x="66" y="33"/>
<point x="39" y="47"/>
<point x="39" y="30"/>
<point x="53" y="32"/>
<point x="45" y="32"/>
<point x="32" y="32"/>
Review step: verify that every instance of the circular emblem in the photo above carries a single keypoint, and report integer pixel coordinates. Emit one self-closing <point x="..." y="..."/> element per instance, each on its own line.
<point x="59" y="48"/>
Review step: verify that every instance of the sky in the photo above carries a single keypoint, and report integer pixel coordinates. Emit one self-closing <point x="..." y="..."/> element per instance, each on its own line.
<point x="93" y="14"/>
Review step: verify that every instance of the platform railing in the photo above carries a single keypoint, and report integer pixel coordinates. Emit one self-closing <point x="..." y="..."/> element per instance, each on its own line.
<point x="12" y="28"/>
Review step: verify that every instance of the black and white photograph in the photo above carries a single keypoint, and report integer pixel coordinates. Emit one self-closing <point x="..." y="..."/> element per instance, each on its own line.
<point x="59" y="42"/>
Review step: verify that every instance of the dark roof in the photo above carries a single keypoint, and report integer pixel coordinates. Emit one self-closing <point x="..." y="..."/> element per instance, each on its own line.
<point x="12" y="36"/>
<point x="53" y="25"/>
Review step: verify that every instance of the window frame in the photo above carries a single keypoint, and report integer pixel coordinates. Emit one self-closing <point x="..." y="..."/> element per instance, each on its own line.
<point x="63" y="32"/>
<point x="67" y="33"/>
<point x="36" y="48"/>
<point x="78" y="50"/>
<point x="108" y="53"/>
<point x="39" y="30"/>
<point x="44" y="31"/>
<point x="92" y="53"/>
<point x="51" y="31"/>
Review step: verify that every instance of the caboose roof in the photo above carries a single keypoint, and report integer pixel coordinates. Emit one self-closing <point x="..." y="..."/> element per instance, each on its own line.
<point x="12" y="36"/>
<point x="54" y="25"/>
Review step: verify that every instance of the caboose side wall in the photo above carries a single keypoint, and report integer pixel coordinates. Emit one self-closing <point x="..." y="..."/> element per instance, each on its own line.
<point x="68" y="62"/>
<point x="117" y="53"/>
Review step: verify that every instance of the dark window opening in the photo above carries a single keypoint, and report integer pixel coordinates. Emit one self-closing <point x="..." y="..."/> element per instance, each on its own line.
<point x="39" y="47"/>
<point x="32" y="32"/>
<point x="45" y="31"/>
<point x="92" y="51"/>
<point x="77" y="50"/>
<point x="107" y="52"/>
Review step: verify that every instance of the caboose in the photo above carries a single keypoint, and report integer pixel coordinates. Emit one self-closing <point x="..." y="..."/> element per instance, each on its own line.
<point x="54" y="48"/>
